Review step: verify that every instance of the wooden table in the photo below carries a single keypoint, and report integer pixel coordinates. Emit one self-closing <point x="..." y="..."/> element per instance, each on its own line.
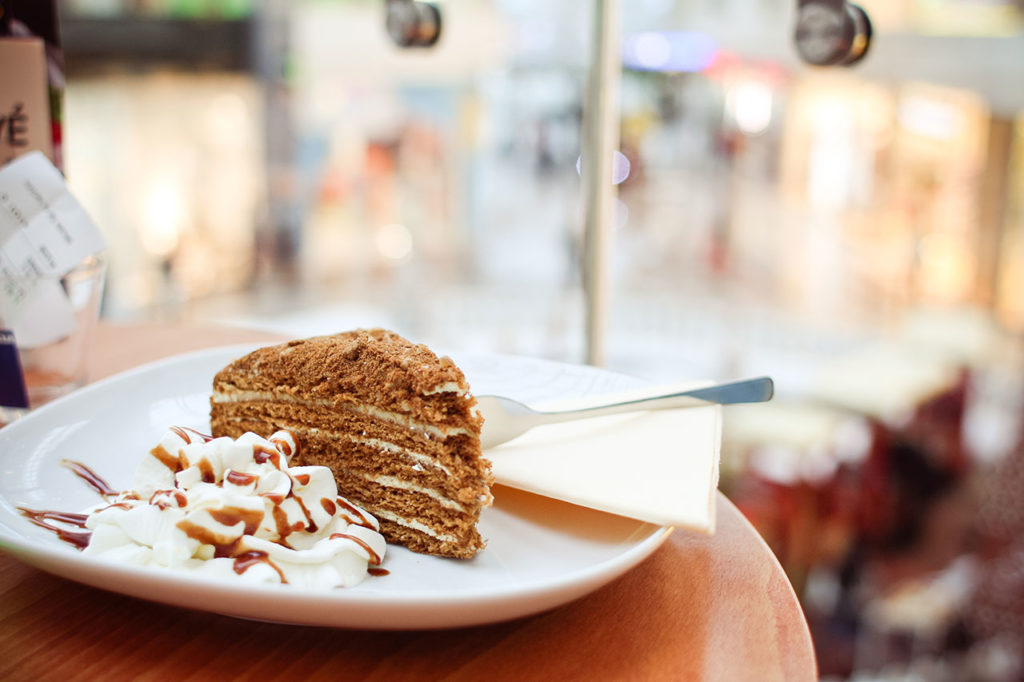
<point x="716" y="608"/>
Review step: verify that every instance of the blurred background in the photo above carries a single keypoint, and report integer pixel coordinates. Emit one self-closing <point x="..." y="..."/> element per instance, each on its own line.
<point x="857" y="233"/>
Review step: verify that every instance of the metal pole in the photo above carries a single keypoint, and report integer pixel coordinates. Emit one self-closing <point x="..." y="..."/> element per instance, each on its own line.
<point x="600" y="139"/>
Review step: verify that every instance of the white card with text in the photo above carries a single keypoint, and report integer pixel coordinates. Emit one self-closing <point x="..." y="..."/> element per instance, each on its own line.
<point x="44" y="234"/>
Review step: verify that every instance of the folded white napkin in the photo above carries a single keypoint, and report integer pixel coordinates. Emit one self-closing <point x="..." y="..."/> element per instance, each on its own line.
<point x="659" y="466"/>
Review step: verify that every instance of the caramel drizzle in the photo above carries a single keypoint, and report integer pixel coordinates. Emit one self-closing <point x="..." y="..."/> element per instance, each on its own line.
<point x="186" y="434"/>
<point x="170" y="461"/>
<point x="43" y="517"/>
<point x="246" y="560"/>
<point x="231" y="516"/>
<point x="240" y="478"/>
<point x="180" y="500"/>
<point x="90" y="477"/>
<point x="374" y="557"/>
<point x="175" y="462"/>
<point x="362" y="519"/>
<point x="284" y="446"/>
<point x="311" y="526"/>
<point x="206" y="471"/>
<point x="262" y="455"/>
<point x="125" y="505"/>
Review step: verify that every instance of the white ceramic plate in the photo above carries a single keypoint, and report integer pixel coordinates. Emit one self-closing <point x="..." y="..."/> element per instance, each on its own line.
<point x="540" y="553"/>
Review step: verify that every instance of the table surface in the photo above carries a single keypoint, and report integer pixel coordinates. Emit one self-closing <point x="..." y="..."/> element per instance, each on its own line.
<point x="702" y="607"/>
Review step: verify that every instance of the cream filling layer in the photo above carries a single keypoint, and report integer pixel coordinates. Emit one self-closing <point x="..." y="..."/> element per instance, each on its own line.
<point x="418" y="457"/>
<point x="384" y="446"/>
<point x="240" y="396"/>
<point x="393" y="482"/>
<point x="446" y="387"/>
<point x="415" y="525"/>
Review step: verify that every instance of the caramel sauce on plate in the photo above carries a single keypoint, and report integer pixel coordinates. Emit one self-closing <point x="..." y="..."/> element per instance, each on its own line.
<point x="43" y="518"/>
<point x="90" y="477"/>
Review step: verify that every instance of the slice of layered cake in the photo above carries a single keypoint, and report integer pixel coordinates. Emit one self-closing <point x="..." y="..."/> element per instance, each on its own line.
<point x="394" y="422"/>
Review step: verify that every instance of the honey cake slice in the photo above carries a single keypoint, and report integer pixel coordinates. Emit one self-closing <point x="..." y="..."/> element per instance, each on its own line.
<point x="393" y="421"/>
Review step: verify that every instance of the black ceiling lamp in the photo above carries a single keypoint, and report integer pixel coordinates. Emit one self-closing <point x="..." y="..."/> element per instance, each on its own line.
<point x="412" y="23"/>
<point x="831" y="32"/>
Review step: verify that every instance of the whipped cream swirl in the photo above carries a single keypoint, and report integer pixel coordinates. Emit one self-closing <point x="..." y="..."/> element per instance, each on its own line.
<point x="234" y="508"/>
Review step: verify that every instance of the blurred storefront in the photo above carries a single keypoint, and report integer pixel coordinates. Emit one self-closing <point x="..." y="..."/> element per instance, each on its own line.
<point x="857" y="233"/>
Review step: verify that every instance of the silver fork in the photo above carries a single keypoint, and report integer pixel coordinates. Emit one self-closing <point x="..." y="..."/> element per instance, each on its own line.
<point x="505" y="418"/>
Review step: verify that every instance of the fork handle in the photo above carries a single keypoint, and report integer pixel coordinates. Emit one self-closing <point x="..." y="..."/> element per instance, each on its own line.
<point x="754" y="390"/>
